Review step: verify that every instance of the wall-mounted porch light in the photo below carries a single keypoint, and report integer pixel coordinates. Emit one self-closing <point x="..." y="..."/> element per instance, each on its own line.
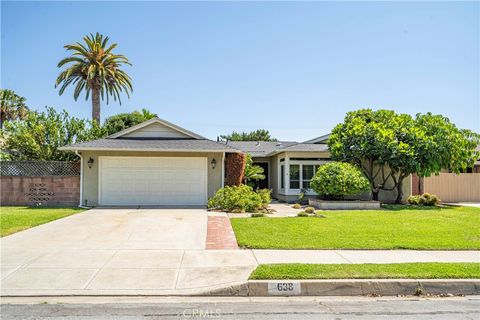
<point x="213" y="163"/>
<point x="90" y="163"/>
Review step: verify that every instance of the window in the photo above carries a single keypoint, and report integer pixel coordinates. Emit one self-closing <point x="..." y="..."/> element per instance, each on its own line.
<point x="308" y="171"/>
<point x="294" y="176"/>
<point x="282" y="176"/>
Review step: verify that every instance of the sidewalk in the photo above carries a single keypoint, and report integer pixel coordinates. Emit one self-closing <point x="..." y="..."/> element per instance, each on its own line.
<point x="198" y="272"/>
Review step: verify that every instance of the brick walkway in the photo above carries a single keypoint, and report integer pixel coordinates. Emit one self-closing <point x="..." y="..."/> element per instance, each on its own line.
<point x="220" y="234"/>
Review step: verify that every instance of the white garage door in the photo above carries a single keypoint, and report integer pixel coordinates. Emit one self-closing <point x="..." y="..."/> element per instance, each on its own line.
<point x="153" y="181"/>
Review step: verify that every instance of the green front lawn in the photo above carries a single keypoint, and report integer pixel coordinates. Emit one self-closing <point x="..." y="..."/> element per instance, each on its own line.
<point x="393" y="227"/>
<point x="14" y="219"/>
<point x="367" y="271"/>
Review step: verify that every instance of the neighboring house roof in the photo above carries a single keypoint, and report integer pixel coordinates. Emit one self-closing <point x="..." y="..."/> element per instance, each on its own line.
<point x="321" y="139"/>
<point x="269" y="148"/>
<point x="175" y="145"/>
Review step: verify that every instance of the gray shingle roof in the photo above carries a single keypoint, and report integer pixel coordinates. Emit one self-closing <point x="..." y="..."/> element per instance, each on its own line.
<point x="305" y="147"/>
<point x="268" y="148"/>
<point x="185" y="145"/>
<point x="259" y="148"/>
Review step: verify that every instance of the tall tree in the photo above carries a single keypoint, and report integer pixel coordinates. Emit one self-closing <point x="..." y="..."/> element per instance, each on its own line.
<point x="122" y="121"/>
<point x="40" y="134"/>
<point x="12" y="106"/>
<point x="93" y="67"/>
<point x="388" y="147"/>
<point x="257" y="135"/>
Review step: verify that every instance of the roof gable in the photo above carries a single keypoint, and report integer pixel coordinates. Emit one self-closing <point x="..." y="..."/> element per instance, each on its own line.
<point x="156" y="129"/>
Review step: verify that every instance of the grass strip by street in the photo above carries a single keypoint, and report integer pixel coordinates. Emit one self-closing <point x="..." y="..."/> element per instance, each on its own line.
<point x="15" y="219"/>
<point x="392" y="227"/>
<point x="295" y="271"/>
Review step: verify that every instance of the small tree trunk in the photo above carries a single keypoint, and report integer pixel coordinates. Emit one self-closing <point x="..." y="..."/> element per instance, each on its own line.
<point x="399" y="191"/>
<point x="96" y="104"/>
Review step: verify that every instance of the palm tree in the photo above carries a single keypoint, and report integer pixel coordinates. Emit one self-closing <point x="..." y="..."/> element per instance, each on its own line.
<point x="93" y="67"/>
<point x="12" y="106"/>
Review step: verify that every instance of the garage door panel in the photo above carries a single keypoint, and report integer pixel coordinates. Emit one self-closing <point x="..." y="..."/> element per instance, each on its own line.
<point x="153" y="181"/>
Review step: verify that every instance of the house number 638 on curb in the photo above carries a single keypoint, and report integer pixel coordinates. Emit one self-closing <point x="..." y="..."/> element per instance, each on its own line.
<point x="284" y="288"/>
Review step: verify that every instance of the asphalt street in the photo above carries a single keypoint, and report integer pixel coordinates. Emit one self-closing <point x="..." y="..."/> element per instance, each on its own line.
<point x="334" y="308"/>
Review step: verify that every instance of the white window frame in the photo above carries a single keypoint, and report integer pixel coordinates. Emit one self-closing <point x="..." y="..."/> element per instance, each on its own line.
<point x="287" y="190"/>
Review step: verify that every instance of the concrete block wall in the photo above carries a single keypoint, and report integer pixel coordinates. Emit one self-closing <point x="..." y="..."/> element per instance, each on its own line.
<point x="44" y="190"/>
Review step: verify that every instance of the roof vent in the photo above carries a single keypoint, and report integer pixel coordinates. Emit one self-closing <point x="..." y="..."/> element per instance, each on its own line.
<point x="258" y="143"/>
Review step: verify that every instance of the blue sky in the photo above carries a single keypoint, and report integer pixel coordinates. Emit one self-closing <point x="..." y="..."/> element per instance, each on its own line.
<point x="290" y="67"/>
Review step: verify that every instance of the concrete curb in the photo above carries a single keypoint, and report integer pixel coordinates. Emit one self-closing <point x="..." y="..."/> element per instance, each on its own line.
<point x="353" y="287"/>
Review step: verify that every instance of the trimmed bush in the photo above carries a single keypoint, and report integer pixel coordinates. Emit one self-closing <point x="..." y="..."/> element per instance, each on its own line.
<point x="302" y="214"/>
<point x="297" y="206"/>
<point x="335" y="180"/>
<point x="310" y="210"/>
<point x="425" y="199"/>
<point x="240" y="198"/>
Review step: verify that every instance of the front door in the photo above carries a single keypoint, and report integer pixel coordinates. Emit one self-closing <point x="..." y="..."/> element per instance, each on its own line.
<point x="262" y="184"/>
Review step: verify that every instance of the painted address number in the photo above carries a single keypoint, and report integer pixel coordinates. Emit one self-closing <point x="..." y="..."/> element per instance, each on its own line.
<point x="284" y="288"/>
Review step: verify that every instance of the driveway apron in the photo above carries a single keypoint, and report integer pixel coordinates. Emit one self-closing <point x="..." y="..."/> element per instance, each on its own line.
<point x="120" y="251"/>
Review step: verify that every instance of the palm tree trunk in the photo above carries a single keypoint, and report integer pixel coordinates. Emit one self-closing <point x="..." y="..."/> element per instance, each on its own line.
<point x="96" y="104"/>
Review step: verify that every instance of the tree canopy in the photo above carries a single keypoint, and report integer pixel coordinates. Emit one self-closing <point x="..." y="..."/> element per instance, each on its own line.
<point x="389" y="147"/>
<point x="256" y="135"/>
<point x="40" y="134"/>
<point x="12" y="106"/>
<point x="123" y="121"/>
<point x="94" y="68"/>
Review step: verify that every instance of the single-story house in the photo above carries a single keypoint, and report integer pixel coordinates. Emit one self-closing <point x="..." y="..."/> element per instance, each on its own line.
<point x="159" y="163"/>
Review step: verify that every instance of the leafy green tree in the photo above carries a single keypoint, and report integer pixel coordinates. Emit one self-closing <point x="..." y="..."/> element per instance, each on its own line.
<point x="252" y="172"/>
<point x="257" y="135"/>
<point x="40" y="134"/>
<point x="95" y="69"/>
<point x="389" y="147"/>
<point x="123" y="121"/>
<point x="12" y="106"/>
<point x="335" y="180"/>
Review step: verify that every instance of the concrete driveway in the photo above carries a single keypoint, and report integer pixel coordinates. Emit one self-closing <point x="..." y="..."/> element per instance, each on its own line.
<point x="120" y="251"/>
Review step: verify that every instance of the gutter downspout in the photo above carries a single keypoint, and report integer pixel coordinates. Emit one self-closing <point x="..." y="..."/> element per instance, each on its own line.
<point x="81" y="180"/>
<point x="223" y="170"/>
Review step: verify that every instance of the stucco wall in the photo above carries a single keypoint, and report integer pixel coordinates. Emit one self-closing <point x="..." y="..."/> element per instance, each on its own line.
<point x="90" y="175"/>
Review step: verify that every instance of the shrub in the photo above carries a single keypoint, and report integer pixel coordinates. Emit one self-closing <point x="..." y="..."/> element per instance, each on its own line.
<point x="425" y="199"/>
<point x="257" y="215"/>
<point x="310" y="210"/>
<point x="335" y="180"/>
<point x="414" y="200"/>
<point x="240" y="198"/>
<point x="297" y="206"/>
<point x="302" y="214"/>
<point x="265" y="196"/>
